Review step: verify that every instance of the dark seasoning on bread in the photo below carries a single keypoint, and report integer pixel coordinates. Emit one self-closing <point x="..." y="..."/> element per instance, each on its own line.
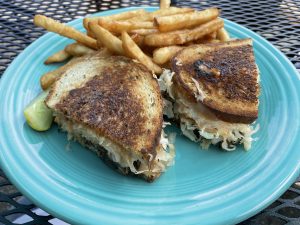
<point x="114" y="103"/>
<point x="215" y="92"/>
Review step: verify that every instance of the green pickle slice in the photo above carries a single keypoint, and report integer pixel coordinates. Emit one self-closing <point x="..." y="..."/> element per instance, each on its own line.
<point x="38" y="116"/>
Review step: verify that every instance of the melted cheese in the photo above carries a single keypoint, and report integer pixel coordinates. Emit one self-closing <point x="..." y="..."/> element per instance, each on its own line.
<point x="195" y="117"/>
<point x="168" y="108"/>
<point x="200" y="95"/>
<point x="165" y="85"/>
<point x="165" y="82"/>
<point x="165" y="152"/>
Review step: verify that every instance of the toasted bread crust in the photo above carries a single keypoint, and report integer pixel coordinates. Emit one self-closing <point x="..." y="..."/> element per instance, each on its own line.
<point x="114" y="102"/>
<point x="227" y="74"/>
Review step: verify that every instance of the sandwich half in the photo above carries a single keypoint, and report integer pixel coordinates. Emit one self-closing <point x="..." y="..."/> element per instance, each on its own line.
<point x="215" y="88"/>
<point x="113" y="106"/>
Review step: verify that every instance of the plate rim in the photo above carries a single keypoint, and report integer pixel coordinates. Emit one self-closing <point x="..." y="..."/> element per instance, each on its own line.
<point x="5" y="167"/>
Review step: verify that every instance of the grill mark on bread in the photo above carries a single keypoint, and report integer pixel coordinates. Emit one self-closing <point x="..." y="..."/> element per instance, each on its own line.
<point x="108" y="104"/>
<point x="233" y="74"/>
<point x="232" y="94"/>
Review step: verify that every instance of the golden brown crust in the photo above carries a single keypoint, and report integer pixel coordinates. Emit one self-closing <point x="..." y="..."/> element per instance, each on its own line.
<point x="114" y="104"/>
<point x="235" y="118"/>
<point x="221" y="115"/>
<point x="226" y="73"/>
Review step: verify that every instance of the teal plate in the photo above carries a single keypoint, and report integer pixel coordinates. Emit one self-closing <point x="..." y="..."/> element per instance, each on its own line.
<point x="204" y="186"/>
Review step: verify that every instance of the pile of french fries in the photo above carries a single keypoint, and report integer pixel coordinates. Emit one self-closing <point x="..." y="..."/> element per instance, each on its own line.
<point x="152" y="38"/>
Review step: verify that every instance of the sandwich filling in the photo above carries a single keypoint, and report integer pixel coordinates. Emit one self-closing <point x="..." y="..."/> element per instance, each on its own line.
<point x="113" y="106"/>
<point x="199" y="124"/>
<point x="126" y="160"/>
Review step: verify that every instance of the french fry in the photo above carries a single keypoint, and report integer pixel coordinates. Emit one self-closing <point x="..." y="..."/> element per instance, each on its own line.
<point x="126" y="15"/>
<point x="205" y="41"/>
<point x="88" y="20"/>
<point x="171" y="11"/>
<point x="103" y="52"/>
<point x="161" y="12"/>
<point x="49" y="78"/>
<point x="191" y="42"/>
<point x="111" y="42"/>
<point x="59" y="56"/>
<point x="144" y="31"/>
<point x="212" y="35"/>
<point x="164" y="4"/>
<point x="77" y="49"/>
<point x="132" y="50"/>
<point x="187" y="20"/>
<point x="163" y="55"/>
<point x="120" y="26"/>
<point x="138" y="39"/>
<point x="222" y="35"/>
<point x="64" y="30"/>
<point x="213" y="41"/>
<point x="183" y="36"/>
<point x="209" y="38"/>
<point x="90" y="34"/>
<point x="120" y="16"/>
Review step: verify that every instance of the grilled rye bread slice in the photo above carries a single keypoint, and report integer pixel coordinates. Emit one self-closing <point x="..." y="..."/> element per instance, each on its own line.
<point x="115" y="103"/>
<point x="223" y="77"/>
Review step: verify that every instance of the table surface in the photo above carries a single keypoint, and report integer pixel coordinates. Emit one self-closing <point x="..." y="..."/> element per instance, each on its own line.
<point x="276" y="20"/>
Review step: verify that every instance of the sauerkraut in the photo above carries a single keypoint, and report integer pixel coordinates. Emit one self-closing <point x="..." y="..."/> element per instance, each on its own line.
<point x="199" y="124"/>
<point x="197" y="121"/>
<point x="164" y="157"/>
